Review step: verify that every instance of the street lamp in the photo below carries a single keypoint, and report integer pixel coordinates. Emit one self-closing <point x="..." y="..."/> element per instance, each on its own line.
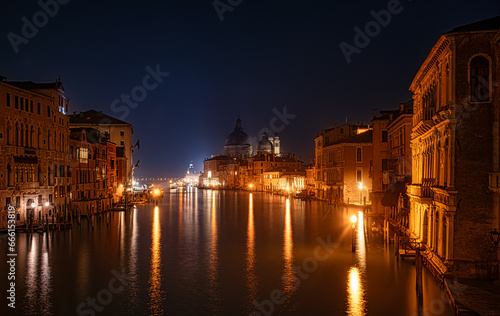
<point x="250" y="186"/>
<point x="495" y="238"/>
<point x="354" y="219"/>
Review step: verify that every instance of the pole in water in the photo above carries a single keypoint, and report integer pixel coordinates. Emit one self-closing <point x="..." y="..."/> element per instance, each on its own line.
<point x="419" y="287"/>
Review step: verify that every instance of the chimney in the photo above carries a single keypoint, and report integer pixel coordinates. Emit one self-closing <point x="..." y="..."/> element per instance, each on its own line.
<point x="374" y="112"/>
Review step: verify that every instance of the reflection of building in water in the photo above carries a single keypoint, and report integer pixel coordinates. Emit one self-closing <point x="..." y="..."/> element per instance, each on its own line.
<point x="192" y="176"/>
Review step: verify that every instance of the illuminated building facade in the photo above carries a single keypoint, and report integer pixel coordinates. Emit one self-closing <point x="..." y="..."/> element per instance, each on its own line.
<point x="91" y="190"/>
<point x="118" y="132"/>
<point x="34" y="131"/>
<point x="455" y="185"/>
<point x="328" y="171"/>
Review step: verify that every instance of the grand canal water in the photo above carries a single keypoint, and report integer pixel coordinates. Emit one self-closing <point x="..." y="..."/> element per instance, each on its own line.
<point x="204" y="252"/>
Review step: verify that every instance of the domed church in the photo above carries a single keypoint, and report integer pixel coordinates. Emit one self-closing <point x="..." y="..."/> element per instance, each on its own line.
<point x="238" y="143"/>
<point x="269" y="145"/>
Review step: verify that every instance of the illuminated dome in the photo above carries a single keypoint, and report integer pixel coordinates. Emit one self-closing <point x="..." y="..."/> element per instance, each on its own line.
<point x="264" y="146"/>
<point x="238" y="143"/>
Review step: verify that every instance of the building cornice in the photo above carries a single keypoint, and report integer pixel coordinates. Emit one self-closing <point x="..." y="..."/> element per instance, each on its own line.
<point x="430" y="61"/>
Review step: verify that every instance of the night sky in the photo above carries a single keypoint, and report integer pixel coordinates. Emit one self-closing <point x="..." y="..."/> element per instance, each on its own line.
<point x="264" y="55"/>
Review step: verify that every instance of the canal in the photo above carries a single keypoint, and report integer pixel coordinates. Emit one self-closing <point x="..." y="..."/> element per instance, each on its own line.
<point x="204" y="252"/>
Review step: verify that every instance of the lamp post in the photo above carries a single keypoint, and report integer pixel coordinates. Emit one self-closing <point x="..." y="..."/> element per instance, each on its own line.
<point x="156" y="192"/>
<point x="354" y="219"/>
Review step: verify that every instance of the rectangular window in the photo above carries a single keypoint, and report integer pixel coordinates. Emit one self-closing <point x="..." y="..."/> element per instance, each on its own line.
<point x="385" y="164"/>
<point x="7" y="99"/>
<point x="50" y="198"/>
<point x="7" y="201"/>
<point x="21" y="102"/>
<point x="358" y="155"/>
<point x="31" y="106"/>
<point x="122" y="133"/>
<point x="359" y="175"/>
<point x="26" y="107"/>
<point x="122" y="143"/>
<point x="39" y="200"/>
<point x="48" y="110"/>
<point x="38" y="108"/>
<point x="16" y="102"/>
<point x="18" y="201"/>
<point x="384" y="136"/>
<point x="55" y="170"/>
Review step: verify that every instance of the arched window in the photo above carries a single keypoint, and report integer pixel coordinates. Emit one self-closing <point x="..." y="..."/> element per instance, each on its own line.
<point x="8" y="133"/>
<point x="9" y="175"/>
<point x="21" y="134"/>
<point x="16" y="140"/>
<point x="479" y="79"/>
<point x="32" y="131"/>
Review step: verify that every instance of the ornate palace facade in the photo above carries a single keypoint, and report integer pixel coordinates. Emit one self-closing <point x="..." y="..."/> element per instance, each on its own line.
<point x="454" y="195"/>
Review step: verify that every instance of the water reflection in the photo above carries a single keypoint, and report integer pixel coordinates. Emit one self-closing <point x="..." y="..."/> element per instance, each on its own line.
<point x="213" y="267"/>
<point x="356" y="303"/>
<point x="38" y="277"/>
<point x="288" y="277"/>
<point x="355" y="293"/>
<point x="155" y="297"/>
<point x="251" y="281"/>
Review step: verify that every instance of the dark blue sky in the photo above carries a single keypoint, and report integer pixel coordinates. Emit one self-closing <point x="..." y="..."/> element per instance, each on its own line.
<point x="265" y="55"/>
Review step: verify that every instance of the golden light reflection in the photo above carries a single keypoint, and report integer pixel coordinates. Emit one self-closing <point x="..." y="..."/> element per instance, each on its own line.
<point x="213" y="267"/>
<point x="356" y="304"/>
<point x="155" y="295"/>
<point x="360" y="243"/>
<point x="251" y="280"/>
<point x="289" y="277"/>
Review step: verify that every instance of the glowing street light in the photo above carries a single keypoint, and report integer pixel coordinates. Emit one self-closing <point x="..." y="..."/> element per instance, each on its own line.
<point x="33" y="205"/>
<point x="47" y="204"/>
<point x="354" y="219"/>
<point x="361" y="186"/>
<point x="250" y="185"/>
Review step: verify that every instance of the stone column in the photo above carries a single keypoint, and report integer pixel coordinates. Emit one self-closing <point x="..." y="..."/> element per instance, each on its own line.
<point x="450" y="228"/>
<point x="439" y="245"/>
<point x="430" y="227"/>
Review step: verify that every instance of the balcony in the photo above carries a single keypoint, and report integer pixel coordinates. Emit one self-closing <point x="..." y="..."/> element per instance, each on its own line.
<point x="423" y="193"/>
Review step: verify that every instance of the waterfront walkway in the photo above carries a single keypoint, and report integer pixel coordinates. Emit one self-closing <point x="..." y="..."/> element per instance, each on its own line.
<point x="474" y="297"/>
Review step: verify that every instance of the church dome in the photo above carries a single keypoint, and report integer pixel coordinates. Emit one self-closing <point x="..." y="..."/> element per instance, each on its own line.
<point x="238" y="136"/>
<point x="264" y="146"/>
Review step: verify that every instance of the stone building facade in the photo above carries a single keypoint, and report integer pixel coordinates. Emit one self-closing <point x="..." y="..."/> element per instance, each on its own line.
<point x="324" y="173"/>
<point x="118" y="132"/>
<point x="454" y="192"/>
<point x="34" y="131"/>
<point x="91" y="189"/>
